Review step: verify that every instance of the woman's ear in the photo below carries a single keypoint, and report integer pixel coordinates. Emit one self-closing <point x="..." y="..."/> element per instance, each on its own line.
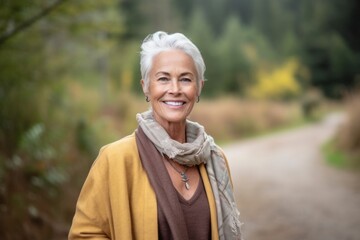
<point x="142" y="82"/>
<point x="201" y="85"/>
<point x="202" y="82"/>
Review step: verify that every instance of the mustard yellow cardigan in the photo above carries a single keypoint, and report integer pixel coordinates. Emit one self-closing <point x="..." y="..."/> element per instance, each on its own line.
<point x="117" y="200"/>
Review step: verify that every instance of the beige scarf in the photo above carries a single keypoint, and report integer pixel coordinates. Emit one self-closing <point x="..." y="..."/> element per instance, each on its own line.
<point x="199" y="148"/>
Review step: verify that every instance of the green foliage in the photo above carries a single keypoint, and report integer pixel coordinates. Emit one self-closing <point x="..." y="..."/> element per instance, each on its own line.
<point x="332" y="64"/>
<point x="344" y="149"/>
<point x="39" y="162"/>
<point x="234" y="65"/>
<point x="39" y="153"/>
<point x="17" y="88"/>
<point x="339" y="157"/>
<point x="326" y="48"/>
<point x="323" y="35"/>
<point x="333" y="155"/>
<point x="197" y="32"/>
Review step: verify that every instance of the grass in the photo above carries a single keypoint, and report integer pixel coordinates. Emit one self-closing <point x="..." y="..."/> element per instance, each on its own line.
<point x="344" y="149"/>
<point x="333" y="155"/>
<point x="338" y="158"/>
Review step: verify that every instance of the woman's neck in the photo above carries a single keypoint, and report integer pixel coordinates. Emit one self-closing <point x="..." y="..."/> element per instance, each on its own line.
<point x="176" y="131"/>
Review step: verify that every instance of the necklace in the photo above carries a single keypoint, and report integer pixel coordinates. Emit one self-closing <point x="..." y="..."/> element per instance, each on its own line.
<point x="184" y="177"/>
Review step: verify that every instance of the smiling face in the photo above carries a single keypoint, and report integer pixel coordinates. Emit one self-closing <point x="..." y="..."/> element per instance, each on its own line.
<point x="172" y="87"/>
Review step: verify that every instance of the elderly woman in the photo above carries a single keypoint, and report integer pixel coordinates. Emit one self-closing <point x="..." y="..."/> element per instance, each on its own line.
<point x="167" y="180"/>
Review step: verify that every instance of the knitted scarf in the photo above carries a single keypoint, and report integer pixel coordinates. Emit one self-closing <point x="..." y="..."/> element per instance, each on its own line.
<point x="199" y="148"/>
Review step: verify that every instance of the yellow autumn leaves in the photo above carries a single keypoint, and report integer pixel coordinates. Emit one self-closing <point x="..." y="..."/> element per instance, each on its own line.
<point x="278" y="83"/>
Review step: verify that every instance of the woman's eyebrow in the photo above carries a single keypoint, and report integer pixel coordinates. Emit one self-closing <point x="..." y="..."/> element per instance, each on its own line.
<point x="168" y="74"/>
<point x="162" y="73"/>
<point x="186" y="73"/>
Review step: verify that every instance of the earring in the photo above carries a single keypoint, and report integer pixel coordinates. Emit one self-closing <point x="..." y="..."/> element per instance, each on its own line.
<point x="147" y="99"/>
<point x="198" y="99"/>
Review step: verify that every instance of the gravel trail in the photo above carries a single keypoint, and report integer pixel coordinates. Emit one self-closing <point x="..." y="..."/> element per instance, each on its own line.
<point x="286" y="191"/>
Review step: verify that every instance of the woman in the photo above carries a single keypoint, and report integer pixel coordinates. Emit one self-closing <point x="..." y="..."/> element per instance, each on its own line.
<point x="168" y="180"/>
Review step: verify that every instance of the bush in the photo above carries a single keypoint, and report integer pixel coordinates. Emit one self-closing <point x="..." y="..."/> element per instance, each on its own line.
<point x="348" y="138"/>
<point x="232" y="118"/>
<point x="279" y="83"/>
<point x="310" y="104"/>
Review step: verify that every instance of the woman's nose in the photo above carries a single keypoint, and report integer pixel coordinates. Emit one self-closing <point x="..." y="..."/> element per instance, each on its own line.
<point x="174" y="86"/>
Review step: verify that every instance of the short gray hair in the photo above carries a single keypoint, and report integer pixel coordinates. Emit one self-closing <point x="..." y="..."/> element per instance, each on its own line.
<point x="160" y="41"/>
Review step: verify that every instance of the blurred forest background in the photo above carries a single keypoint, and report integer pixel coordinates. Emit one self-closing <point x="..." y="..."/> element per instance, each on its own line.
<point x="69" y="83"/>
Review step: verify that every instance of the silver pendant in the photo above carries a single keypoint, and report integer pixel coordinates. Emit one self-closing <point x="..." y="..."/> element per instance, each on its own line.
<point x="185" y="179"/>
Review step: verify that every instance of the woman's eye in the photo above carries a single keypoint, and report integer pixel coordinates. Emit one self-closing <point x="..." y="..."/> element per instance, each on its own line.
<point x="185" y="79"/>
<point x="163" y="79"/>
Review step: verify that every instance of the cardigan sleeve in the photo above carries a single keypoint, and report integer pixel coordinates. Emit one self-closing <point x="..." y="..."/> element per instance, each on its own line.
<point x="90" y="219"/>
<point x="117" y="200"/>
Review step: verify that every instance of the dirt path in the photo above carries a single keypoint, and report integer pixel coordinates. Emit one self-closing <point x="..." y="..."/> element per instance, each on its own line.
<point x="285" y="190"/>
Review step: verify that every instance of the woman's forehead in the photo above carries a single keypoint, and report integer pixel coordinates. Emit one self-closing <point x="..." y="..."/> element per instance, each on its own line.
<point x="173" y="60"/>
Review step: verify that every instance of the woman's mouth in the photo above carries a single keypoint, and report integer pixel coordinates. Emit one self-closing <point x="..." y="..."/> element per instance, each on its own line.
<point x="174" y="103"/>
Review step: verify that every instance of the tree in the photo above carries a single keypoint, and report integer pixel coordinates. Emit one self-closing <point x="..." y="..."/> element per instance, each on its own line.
<point x="333" y="60"/>
<point x="201" y="34"/>
<point x="11" y="26"/>
<point x="234" y="64"/>
<point x="35" y="137"/>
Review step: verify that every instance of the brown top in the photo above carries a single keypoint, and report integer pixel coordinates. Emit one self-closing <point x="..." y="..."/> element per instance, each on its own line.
<point x="173" y="221"/>
<point x="197" y="214"/>
<point x="195" y="211"/>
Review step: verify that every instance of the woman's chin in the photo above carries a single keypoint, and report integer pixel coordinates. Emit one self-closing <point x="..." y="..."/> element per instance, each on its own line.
<point x="173" y="118"/>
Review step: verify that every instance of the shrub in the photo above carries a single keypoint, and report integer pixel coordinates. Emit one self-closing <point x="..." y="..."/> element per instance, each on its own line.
<point x="232" y="118"/>
<point x="280" y="83"/>
<point x="348" y="138"/>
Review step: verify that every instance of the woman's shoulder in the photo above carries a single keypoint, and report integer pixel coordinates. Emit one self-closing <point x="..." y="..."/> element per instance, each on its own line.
<point x="123" y="143"/>
<point x="124" y="149"/>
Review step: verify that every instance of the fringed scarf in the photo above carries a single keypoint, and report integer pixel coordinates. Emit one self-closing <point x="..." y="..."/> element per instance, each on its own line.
<point x="199" y="148"/>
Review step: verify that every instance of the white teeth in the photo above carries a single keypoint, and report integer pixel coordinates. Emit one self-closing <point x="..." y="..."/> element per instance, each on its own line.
<point x="174" y="103"/>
